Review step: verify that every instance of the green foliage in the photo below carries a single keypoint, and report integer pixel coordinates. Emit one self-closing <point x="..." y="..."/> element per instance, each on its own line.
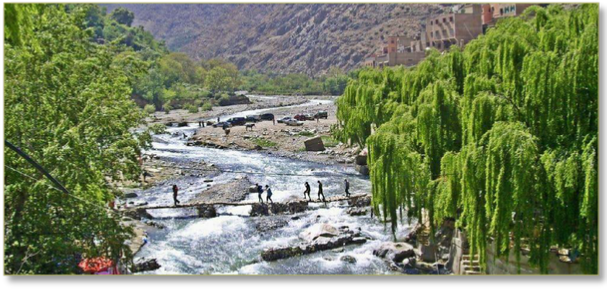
<point x="149" y="109"/>
<point x="191" y="108"/>
<point x="333" y="83"/>
<point x="329" y="141"/>
<point x="501" y="137"/>
<point x="207" y="106"/>
<point x="123" y="16"/>
<point x="67" y="104"/>
<point x="263" y="142"/>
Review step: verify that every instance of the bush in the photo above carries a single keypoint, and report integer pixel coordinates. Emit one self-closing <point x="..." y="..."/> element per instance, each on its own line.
<point x="191" y="108"/>
<point x="207" y="106"/>
<point x="149" y="109"/>
<point x="167" y="107"/>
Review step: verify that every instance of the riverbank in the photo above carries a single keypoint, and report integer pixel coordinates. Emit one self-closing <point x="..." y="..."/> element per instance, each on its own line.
<point x="278" y="139"/>
<point x="257" y="102"/>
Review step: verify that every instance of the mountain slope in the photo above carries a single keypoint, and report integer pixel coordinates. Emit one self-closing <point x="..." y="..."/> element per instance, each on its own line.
<point x="281" y="38"/>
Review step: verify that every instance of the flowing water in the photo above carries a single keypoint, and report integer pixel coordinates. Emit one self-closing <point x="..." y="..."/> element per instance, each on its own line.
<point x="231" y="243"/>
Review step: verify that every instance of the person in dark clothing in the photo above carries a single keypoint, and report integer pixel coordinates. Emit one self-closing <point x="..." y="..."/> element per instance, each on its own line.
<point x="175" y="192"/>
<point x="259" y="192"/>
<point x="320" y="192"/>
<point x="347" y="188"/>
<point x="217" y="119"/>
<point x="307" y="191"/>
<point x="146" y="174"/>
<point x="269" y="194"/>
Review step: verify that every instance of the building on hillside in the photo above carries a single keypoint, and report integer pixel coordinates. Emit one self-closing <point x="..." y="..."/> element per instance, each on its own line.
<point x="440" y="32"/>
<point x="493" y="12"/>
<point x="464" y="23"/>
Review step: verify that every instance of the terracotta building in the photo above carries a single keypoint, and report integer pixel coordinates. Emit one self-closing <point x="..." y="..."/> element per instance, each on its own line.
<point x="465" y="23"/>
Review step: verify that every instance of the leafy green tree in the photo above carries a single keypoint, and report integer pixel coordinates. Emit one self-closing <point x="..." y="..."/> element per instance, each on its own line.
<point x="501" y="136"/>
<point x="123" y="16"/>
<point x="67" y="105"/>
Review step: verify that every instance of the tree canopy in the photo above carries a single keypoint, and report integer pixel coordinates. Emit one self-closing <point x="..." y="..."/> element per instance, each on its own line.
<point x="501" y="136"/>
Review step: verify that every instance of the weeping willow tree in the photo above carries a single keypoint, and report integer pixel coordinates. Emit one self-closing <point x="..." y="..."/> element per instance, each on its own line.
<point x="500" y="136"/>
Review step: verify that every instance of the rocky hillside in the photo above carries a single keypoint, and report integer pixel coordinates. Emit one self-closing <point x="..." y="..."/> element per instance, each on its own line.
<point x="283" y="38"/>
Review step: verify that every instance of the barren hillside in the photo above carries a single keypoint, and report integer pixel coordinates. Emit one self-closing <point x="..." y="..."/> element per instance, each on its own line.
<point x="283" y="38"/>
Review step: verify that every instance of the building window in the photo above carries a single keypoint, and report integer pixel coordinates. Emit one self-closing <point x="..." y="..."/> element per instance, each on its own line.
<point x="451" y="18"/>
<point x="444" y="20"/>
<point x="431" y="34"/>
<point x="501" y="11"/>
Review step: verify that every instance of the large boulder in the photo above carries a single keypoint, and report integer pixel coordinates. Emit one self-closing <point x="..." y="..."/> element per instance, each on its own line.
<point x="357" y="211"/>
<point x="314" y="144"/>
<point x="259" y="209"/>
<point x="138" y="213"/>
<point x="146" y="265"/>
<point x="297" y="206"/>
<point x="362" y="169"/>
<point x="317" y="231"/>
<point x="360" y="201"/>
<point x="319" y="237"/>
<point x="395" y="252"/>
<point x="206" y="211"/>
<point x="130" y="195"/>
<point x="278" y="208"/>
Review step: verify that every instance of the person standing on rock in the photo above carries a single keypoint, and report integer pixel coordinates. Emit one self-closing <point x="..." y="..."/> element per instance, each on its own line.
<point x="259" y="192"/>
<point x="175" y="192"/>
<point x="268" y="194"/>
<point x="307" y="191"/>
<point x="320" y="192"/>
<point x="347" y="188"/>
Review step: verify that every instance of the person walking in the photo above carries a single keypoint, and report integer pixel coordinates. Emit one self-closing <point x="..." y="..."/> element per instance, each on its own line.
<point x="320" y="192"/>
<point x="269" y="194"/>
<point x="175" y="193"/>
<point x="259" y="192"/>
<point x="307" y="191"/>
<point x="347" y="188"/>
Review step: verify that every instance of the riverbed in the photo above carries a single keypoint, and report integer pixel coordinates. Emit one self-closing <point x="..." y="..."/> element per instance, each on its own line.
<point x="232" y="242"/>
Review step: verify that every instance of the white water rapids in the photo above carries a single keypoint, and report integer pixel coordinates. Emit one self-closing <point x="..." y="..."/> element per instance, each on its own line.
<point x="231" y="243"/>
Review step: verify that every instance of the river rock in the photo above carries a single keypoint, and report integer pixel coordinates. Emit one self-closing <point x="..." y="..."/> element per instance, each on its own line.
<point x="348" y="259"/>
<point x="357" y="211"/>
<point x="130" y="195"/>
<point x="314" y="144"/>
<point x="263" y="224"/>
<point x="182" y="124"/>
<point x="138" y="213"/>
<point x="278" y="208"/>
<point x="259" y="209"/>
<point x="362" y="169"/>
<point x="252" y="189"/>
<point x="318" y="230"/>
<point x="395" y="252"/>
<point x="147" y="265"/>
<point x="360" y="201"/>
<point x="297" y="206"/>
<point x="206" y="211"/>
<point x="325" y="240"/>
<point x="361" y="159"/>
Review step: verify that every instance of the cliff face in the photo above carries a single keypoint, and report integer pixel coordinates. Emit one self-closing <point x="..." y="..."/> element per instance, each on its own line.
<point x="282" y="38"/>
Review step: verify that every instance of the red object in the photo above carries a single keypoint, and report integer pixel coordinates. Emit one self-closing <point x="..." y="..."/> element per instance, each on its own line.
<point x="94" y="265"/>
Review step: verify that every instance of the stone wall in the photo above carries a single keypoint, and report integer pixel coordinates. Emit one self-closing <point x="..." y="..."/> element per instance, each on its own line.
<point x="508" y="266"/>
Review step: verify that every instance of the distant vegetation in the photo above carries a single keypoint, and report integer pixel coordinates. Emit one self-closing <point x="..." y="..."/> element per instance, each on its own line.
<point x="333" y="83"/>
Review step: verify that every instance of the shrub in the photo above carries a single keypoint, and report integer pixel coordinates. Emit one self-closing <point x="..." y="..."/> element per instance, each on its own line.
<point x="191" y="108"/>
<point x="207" y="106"/>
<point x="149" y="109"/>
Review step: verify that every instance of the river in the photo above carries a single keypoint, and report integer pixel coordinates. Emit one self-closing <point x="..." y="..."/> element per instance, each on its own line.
<point x="231" y="242"/>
